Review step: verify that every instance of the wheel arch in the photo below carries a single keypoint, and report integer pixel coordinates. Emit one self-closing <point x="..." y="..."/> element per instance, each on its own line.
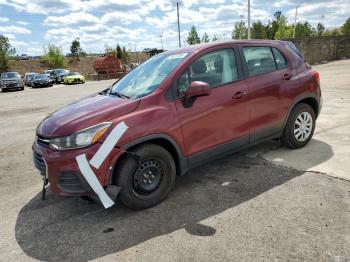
<point x="162" y="140"/>
<point x="309" y="99"/>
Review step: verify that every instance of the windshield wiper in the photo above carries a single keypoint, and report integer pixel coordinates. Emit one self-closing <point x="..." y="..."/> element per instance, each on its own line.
<point x="118" y="94"/>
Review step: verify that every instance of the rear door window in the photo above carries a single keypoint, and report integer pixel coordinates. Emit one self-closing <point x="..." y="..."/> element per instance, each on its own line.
<point x="260" y="60"/>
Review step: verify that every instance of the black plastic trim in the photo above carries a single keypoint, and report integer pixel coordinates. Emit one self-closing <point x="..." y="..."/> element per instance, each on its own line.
<point x="218" y="151"/>
<point x="182" y="161"/>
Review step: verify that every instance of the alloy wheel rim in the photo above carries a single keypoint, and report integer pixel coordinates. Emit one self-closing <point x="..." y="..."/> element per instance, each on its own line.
<point x="303" y="126"/>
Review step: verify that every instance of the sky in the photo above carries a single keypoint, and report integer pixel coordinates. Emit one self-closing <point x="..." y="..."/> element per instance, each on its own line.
<point x="137" y="24"/>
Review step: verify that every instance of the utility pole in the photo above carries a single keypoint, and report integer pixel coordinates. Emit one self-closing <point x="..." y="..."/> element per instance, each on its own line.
<point x="161" y="39"/>
<point x="295" y="20"/>
<point x="178" y="22"/>
<point x="248" y="19"/>
<point x="296" y="16"/>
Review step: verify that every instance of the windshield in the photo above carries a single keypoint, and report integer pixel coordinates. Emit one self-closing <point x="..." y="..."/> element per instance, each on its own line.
<point x="10" y="75"/>
<point x="73" y="74"/>
<point x="61" y="71"/>
<point x="148" y="76"/>
<point x="40" y="77"/>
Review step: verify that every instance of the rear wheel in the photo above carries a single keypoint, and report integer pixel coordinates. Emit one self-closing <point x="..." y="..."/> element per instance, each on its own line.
<point x="300" y="126"/>
<point x="147" y="178"/>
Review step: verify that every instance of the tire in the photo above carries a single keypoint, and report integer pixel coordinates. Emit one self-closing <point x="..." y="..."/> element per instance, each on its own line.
<point x="297" y="135"/>
<point x="157" y="165"/>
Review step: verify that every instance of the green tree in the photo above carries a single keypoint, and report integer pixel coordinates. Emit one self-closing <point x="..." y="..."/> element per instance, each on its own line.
<point x="320" y="29"/>
<point x="258" y="31"/>
<point x="193" y="37"/>
<point x="214" y="39"/>
<point x="125" y="56"/>
<point x="205" y="38"/>
<point x="6" y="51"/>
<point x="273" y="26"/>
<point x="346" y="27"/>
<point x="75" y="48"/>
<point x="334" y="32"/>
<point x="304" y="30"/>
<point x="54" y="57"/>
<point x="119" y="52"/>
<point x="240" y="31"/>
<point x="284" y="31"/>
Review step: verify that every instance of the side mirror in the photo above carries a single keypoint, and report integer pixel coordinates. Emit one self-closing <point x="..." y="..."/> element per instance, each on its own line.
<point x="195" y="89"/>
<point x="198" y="88"/>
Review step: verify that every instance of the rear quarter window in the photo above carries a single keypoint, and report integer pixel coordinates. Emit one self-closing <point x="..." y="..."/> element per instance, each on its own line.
<point x="281" y="61"/>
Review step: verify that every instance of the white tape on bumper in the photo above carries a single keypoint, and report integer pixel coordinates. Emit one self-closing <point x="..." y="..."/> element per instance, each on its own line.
<point x="91" y="178"/>
<point x="108" y="145"/>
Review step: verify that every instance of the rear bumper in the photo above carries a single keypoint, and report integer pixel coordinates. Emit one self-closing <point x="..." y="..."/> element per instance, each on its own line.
<point x="62" y="170"/>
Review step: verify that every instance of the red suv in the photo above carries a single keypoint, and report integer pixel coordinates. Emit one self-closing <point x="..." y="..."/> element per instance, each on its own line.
<point x="175" y="111"/>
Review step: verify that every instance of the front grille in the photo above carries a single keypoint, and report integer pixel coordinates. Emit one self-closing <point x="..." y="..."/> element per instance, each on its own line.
<point x="11" y="84"/>
<point x="43" y="141"/>
<point x="39" y="163"/>
<point x="70" y="182"/>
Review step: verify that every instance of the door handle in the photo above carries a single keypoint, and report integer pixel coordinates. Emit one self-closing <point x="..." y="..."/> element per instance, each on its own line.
<point x="238" y="95"/>
<point x="287" y="76"/>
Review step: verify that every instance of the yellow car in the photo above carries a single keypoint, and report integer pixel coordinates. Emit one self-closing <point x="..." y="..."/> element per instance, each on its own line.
<point x="73" y="78"/>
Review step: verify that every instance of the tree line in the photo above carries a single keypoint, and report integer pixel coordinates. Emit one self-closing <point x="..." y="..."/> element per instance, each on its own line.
<point x="53" y="54"/>
<point x="278" y="28"/>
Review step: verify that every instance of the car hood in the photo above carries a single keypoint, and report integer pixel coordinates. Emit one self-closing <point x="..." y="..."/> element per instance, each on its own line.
<point x="73" y="76"/>
<point x="84" y="113"/>
<point x="11" y="79"/>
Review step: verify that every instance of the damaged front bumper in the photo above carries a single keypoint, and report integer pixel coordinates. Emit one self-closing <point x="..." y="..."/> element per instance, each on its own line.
<point x="61" y="170"/>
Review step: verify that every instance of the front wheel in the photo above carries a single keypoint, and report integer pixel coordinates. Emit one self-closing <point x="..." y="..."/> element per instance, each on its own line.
<point x="146" y="177"/>
<point x="300" y="126"/>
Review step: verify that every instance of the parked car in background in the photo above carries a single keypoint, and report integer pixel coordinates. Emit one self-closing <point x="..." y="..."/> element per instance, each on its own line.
<point x="48" y="74"/>
<point x="58" y="74"/>
<point x="41" y="80"/>
<point x="11" y="80"/>
<point x="73" y="78"/>
<point x="176" y="111"/>
<point x="30" y="80"/>
<point x="27" y="77"/>
<point x="24" y="57"/>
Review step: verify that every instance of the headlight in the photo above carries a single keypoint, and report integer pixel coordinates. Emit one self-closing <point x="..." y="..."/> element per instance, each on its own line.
<point x="83" y="138"/>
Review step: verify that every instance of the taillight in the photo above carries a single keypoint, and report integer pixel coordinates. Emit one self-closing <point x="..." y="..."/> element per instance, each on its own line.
<point x="316" y="75"/>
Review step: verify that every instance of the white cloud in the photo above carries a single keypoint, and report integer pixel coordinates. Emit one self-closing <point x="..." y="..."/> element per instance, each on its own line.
<point x="45" y="6"/>
<point x="71" y="19"/>
<point x="4" y="19"/>
<point x="117" y="17"/>
<point x="14" y="30"/>
<point x="22" y="23"/>
<point x="10" y="36"/>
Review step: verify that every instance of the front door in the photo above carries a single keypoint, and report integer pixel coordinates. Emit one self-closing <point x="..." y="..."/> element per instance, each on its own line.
<point x="221" y="118"/>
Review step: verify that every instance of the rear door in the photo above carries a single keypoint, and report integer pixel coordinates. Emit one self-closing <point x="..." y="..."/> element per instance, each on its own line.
<point x="221" y="117"/>
<point x="268" y="75"/>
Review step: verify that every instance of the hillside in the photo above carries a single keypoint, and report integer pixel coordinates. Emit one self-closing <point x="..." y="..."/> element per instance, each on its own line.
<point x="84" y="65"/>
